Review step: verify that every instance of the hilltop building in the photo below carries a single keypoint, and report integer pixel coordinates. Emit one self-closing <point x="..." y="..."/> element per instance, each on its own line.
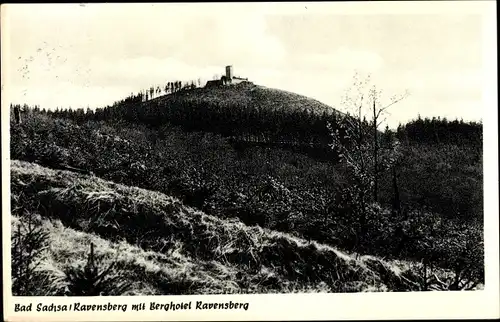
<point x="227" y="79"/>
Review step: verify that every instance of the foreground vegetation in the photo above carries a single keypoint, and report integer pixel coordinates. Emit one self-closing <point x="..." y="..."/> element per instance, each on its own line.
<point x="157" y="245"/>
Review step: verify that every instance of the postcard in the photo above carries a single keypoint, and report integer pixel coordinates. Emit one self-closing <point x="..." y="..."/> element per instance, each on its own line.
<point x="249" y="161"/>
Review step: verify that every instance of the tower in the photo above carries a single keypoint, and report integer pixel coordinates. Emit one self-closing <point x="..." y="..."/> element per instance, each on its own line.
<point x="229" y="73"/>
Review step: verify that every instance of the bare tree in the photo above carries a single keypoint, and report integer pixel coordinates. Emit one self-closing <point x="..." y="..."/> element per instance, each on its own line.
<point x="350" y="143"/>
<point x="379" y="116"/>
<point x="356" y="141"/>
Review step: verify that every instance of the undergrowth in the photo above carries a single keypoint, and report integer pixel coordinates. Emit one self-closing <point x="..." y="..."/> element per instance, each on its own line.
<point x="95" y="278"/>
<point x="156" y="223"/>
<point x="28" y="248"/>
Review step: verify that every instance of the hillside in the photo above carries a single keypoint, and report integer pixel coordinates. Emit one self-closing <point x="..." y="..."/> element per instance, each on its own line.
<point x="276" y="196"/>
<point x="247" y="94"/>
<point x="277" y="189"/>
<point x="165" y="247"/>
<point x="245" y="112"/>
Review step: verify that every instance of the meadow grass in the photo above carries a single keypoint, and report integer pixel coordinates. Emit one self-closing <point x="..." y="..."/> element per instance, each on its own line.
<point x="165" y="247"/>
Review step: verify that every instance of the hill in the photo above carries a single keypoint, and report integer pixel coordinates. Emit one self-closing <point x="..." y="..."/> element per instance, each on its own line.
<point x="165" y="247"/>
<point x="248" y="94"/>
<point x="246" y="112"/>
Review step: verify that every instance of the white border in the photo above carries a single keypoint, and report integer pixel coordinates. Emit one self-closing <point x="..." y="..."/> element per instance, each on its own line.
<point x="421" y="305"/>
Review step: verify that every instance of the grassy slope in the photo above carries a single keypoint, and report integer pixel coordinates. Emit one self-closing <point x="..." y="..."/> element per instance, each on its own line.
<point x="246" y="94"/>
<point x="169" y="248"/>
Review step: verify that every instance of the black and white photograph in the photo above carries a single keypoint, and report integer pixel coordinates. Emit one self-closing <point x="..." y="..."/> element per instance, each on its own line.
<point x="175" y="149"/>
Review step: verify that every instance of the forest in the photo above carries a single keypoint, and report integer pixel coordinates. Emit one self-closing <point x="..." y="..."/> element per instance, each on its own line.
<point x="411" y="193"/>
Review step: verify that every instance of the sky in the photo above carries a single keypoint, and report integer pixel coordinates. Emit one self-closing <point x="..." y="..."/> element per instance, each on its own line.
<point x="91" y="55"/>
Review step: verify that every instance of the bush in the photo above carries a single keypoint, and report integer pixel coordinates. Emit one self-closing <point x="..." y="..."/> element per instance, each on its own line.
<point x="94" y="279"/>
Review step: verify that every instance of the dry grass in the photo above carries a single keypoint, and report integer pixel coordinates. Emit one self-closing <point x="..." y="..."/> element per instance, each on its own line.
<point x="169" y="248"/>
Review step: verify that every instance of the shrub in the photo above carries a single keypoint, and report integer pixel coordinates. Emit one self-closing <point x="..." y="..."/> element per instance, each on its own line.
<point x="94" y="279"/>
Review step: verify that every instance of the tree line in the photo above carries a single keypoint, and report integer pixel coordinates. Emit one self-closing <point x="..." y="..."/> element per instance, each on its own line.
<point x="438" y="130"/>
<point x="253" y="124"/>
<point x="168" y="88"/>
<point x="244" y="123"/>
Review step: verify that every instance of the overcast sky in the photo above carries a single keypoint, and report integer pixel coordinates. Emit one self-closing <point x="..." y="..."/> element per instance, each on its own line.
<point x="79" y="56"/>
